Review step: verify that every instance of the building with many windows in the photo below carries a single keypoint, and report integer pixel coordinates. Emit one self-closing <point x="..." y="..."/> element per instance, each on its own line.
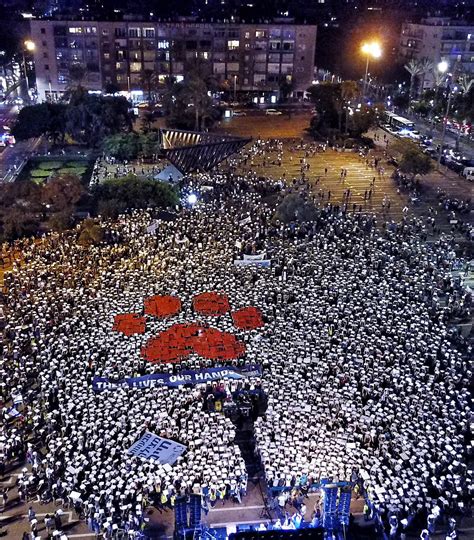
<point x="439" y="39"/>
<point x="250" y="57"/>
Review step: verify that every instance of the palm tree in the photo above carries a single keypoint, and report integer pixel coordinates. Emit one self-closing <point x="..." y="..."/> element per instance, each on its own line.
<point x="438" y="78"/>
<point x="427" y="66"/>
<point x="463" y="110"/>
<point x="414" y="68"/>
<point x="466" y="83"/>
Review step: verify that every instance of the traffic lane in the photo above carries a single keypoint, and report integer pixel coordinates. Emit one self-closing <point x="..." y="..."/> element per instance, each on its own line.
<point x="425" y="128"/>
<point x="8" y="114"/>
<point x="12" y="156"/>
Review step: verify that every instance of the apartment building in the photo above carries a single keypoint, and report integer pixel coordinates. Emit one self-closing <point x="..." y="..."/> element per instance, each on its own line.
<point x="250" y="57"/>
<point x="438" y="39"/>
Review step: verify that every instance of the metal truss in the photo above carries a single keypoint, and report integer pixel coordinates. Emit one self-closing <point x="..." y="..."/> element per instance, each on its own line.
<point x="192" y="151"/>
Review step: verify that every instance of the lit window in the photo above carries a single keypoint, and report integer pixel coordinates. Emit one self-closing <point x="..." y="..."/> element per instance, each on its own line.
<point x="233" y="44"/>
<point x="75" y="30"/>
<point x="163" y="44"/>
<point x="247" y="35"/>
<point x="260" y="34"/>
<point x="149" y="32"/>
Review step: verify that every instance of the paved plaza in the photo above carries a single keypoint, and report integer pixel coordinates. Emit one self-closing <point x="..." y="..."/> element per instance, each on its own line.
<point x="386" y="200"/>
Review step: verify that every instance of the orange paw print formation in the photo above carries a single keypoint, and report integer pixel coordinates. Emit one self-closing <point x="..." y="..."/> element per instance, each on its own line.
<point x="180" y="340"/>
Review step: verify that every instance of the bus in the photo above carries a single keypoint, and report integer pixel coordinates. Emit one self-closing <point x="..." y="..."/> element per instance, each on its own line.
<point x="398" y="122"/>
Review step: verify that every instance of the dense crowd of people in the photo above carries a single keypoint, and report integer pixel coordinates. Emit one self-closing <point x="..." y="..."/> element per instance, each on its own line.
<point x="362" y="375"/>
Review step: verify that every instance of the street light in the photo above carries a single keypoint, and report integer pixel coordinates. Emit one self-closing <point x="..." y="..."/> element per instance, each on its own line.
<point x="443" y="68"/>
<point x="29" y="46"/>
<point x="370" y="49"/>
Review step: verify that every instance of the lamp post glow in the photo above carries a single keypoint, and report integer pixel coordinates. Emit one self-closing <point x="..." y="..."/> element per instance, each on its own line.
<point x="443" y="68"/>
<point x="29" y="46"/>
<point x="371" y="50"/>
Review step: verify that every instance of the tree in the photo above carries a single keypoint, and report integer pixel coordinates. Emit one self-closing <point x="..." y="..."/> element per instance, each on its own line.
<point x="60" y="221"/>
<point x="362" y="120"/>
<point x="90" y="118"/>
<point x="77" y="74"/>
<point x="149" y="144"/>
<point x="286" y="87"/>
<point x="85" y="118"/>
<point x="438" y="78"/>
<point x="150" y="82"/>
<point x="325" y="97"/>
<point x="132" y="192"/>
<point x="20" y="209"/>
<point x="90" y="233"/>
<point x="122" y="146"/>
<point x="414" y="68"/>
<point x="56" y="128"/>
<point x="32" y="121"/>
<point x="295" y="207"/>
<point x="63" y="192"/>
<point x="426" y="66"/>
<point x="349" y="91"/>
<point x="17" y="223"/>
<point x="415" y="162"/>
<point x="188" y="103"/>
<point x="111" y="88"/>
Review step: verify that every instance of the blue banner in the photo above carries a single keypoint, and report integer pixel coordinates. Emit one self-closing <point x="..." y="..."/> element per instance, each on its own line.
<point x="184" y="377"/>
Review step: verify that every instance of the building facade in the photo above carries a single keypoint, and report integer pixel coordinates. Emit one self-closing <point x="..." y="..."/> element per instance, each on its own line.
<point x="439" y="39"/>
<point x="250" y="57"/>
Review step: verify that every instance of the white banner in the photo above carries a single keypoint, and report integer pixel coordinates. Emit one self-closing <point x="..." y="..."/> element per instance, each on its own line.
<point x="244" y="221"/>
<point x="257" y="257"/>
<point x="151" y="229"/>
<point x="263" y="263"/>
<point x="151" y="446"/>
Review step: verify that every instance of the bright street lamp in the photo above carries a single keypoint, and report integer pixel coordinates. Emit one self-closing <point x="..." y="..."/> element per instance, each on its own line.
<point x="371" y="49"/>
<point x="442" y="68"/>
<point x="29" y="46"/>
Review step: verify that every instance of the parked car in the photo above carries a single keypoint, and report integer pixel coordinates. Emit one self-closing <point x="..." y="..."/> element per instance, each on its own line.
<point x="239" y="113"/>
<point x="468" y="173"/>
<point x="432" y="152"/>
<point x="392" y="131"/>
<point x="273" y="112"/>
<point x="415" y="135"/>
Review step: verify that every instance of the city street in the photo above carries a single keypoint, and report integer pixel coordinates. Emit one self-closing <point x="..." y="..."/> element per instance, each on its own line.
<point x="290" y="124"/>
<point x="8" y="115"/>
<point x="426" y="128"/>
